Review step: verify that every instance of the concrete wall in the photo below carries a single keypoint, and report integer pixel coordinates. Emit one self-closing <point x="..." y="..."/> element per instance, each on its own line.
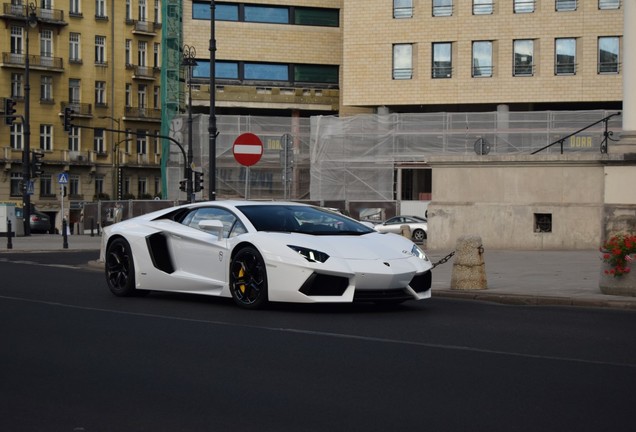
<point x="499" y="197"/>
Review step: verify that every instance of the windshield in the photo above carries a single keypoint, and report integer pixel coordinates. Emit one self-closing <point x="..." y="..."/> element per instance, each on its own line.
<point x="302" y="219"/>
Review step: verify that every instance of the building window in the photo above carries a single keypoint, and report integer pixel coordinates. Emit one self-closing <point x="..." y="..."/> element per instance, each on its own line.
<point x="442" y="7"/>
<point x="46" y="88"/>
<point x="142" y="186"/>
<point x="316" y="17"/>
<point x="266" y="71"/>
<point x="98" y="141"/>
<point x="565" y="56"/>
<point x="16" y="85"/>
<point x="565" y="5"/>
<point x="609" y="4"/>
<point x="157" y="12"/>
<point x="142" y="47"/>
<point x="99" y="185"/>
<point x="16" y="184"/>
<point x="74" y="139"/>
<point x="127" y="50"/>
<point x="156" y="98"/>
<point x="74" y="91"/>
<point x="73" y="184"/>
<point x="74" y="48"/>
<point x="142" y="146"/>
<point x="402" y="61"/>
<point x="143" y="12"/>
<point x="402" y="8"/>
<point x="141" y="95"/>
<point x="46" y="47"/>
<point x="482" y="59"/>
<point x="74" y="8"/>
<point x="523" y="57"/>
<point x="100" y="93"/>
<point x="100" y="50"/>
<point x="523" y="6"/>
<point x="128" y="11"/>
<point x="100" y="8"/>
<point x="46" y="137"/>
<point x="46" y="188"/>
<point x="16" y="136"/>
<point x="128" y="101"/>
<point x="266" y="14"/>
<point x="483" y="7"/>
<point x="608" y="51"/>
<point x="315" y="74"/>
<point x="156" y="59"/>
<point x="442" y="60"/>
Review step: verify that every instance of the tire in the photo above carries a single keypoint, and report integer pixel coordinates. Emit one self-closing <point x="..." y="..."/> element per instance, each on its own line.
<point x="419" y="235"/>
<point x="248" y="279"/>
<point x="120" y="268"/>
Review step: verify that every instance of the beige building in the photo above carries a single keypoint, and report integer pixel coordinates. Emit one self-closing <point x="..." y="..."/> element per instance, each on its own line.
<point x="102" y="60"/>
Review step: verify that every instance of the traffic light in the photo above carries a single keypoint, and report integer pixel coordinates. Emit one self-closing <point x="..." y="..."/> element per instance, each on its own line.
<point x="68" y="119"/>
<point x="198" y="181"/>
<point x="36" y="164"/>
<point x="183" y="185"/>
<point x="9" y="111"/>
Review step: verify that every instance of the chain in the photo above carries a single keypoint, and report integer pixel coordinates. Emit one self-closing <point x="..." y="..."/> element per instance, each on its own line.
<point x="443" y="260"/>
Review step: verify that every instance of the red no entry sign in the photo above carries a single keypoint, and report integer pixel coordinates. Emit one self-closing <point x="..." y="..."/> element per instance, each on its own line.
<point x="247" y="149"/>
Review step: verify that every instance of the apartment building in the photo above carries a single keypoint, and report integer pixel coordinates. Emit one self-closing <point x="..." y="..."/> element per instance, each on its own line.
<point x="474" y="55"/>
<point x="100" y="59"/>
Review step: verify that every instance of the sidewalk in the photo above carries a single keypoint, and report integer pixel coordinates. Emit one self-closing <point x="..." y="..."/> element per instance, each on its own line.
<point x="514" y="277"/>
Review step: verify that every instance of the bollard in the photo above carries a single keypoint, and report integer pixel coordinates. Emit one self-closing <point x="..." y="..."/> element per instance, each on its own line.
<point x="405" y="231"/>
<point x="9" y="234"/>
<point x="469" y="271"/>
<point x="64" y="235"/>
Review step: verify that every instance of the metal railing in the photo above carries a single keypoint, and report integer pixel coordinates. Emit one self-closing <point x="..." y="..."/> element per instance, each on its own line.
<point x="607" y="135"/>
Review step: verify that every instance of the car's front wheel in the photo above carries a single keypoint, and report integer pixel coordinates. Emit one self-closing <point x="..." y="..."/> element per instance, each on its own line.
<point x="248" y="278"/>
<point x="120" y="268"/>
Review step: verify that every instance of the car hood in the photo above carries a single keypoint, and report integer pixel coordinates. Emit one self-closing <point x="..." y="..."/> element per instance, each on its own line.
<point x="368" y="247"/>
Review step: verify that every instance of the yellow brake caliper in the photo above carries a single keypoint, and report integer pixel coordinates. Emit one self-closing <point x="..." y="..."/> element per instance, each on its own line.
<point x="240" y="275"/>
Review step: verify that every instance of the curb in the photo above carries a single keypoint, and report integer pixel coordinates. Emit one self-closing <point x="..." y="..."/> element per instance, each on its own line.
<point x="530" y="300"/>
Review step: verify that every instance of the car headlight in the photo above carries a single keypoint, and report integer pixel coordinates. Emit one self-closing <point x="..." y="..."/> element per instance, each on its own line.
<point x="416" y="251"/>
<point x="310" y="255"/>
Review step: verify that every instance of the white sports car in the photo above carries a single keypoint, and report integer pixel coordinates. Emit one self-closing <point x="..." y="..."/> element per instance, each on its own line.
<point x="256" y="252"/>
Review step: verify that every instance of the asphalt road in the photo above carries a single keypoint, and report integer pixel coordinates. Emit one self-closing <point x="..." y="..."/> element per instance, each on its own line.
<point x="76" y="358"/>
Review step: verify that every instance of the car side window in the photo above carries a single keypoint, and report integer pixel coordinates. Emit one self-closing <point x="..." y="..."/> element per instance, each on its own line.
<point x="231" y="225"/>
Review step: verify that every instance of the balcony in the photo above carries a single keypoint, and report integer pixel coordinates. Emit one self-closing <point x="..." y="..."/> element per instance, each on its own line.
<point x="79" y="109"/>
<point x="21" y="12"/>
<point x="145" y="28"/>
<point x="144" y="73"/>
<point x="142" y="114"/>
<point x="36" y="62"/>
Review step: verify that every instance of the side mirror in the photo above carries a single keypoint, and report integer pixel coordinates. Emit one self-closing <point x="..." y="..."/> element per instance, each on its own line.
<point x="212" y="226"/>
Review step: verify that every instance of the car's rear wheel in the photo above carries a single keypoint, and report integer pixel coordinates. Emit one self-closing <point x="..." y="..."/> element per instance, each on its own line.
<point x="419" y="235"/>
<point x="120" y="268"/>
<point x="248" y="278"/>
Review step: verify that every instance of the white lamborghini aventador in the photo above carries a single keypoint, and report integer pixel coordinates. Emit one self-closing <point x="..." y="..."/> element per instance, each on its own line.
<point x="257" y="252"/>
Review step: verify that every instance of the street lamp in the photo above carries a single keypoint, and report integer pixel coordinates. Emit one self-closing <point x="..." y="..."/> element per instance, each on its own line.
<point x="116" y="188"/>
<point x="212" y="130"/>
<point x="31" y="22"/>
<point x="189" y="60"/>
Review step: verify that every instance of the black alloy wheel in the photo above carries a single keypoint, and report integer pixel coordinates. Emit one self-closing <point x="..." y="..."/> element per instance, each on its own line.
<point x="120" y="268"/>
<point x="248" y="278"/>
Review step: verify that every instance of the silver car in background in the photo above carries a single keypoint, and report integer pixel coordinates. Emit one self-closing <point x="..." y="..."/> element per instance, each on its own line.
<point x="417" y="225"/>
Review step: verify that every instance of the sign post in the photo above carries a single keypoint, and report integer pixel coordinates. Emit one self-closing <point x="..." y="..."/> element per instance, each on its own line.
<point x="62" y="180"/>
<point x="247" y="150"/>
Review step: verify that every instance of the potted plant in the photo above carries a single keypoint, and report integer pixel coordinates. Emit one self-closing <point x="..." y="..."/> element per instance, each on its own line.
<point x="619" y="256"/>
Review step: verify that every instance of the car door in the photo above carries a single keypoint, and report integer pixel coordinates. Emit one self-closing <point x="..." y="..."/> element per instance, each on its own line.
<point x="201" y="255"/>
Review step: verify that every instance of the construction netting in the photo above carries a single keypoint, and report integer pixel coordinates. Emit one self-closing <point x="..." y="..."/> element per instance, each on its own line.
<point x="354" y="158"/>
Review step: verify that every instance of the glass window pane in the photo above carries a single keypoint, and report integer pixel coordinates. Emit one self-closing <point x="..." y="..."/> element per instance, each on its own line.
<point x="317" y="17"/>
<point x="609" y="4"/>
<point x="202" y="69"/>
<point x="482" y="59"/>
<point x="402" y="8"/>
<point x="524" y="53"/>
<point x="482" y="7"/>
<point x="226" y="70"/>
<point x="266" y="71"/>
<point x="565" y="52"/>
<point x="402" y="61"/>
<point x="524" y="6"/>
<point x="442" y="7"/>
<point x="608" y="54"/>
<point x="201" y="11"/>
<point x="316" y="74"/>
<point x="225" y="12"/>
<point x="565" y="5"/>
<point x="266" y="14"/>
<point x="442" y="66"/>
